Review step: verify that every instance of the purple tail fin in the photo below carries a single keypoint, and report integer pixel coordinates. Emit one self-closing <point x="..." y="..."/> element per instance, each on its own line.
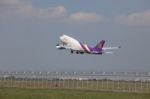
<point x="100" y="44"/>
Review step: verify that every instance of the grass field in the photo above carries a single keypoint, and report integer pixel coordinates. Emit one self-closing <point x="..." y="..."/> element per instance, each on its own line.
<point x="101" y="85"/>
<point x="21" y="93"/>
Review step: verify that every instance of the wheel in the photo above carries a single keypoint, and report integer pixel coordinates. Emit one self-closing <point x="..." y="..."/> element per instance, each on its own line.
<point x="81" y="52"/>
<point x="71" y="51"/>
<point x="77" y="52"/>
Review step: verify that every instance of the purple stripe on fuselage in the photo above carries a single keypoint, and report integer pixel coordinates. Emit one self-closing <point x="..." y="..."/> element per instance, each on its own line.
<point x="84" y="48"/>
<point x="97" y="50"/>
<point x="90" y="49"/>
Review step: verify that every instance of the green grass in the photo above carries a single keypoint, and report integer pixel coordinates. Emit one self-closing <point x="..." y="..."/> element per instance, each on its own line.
<point x="21" y="93"/>
<point x="125" y="86"/>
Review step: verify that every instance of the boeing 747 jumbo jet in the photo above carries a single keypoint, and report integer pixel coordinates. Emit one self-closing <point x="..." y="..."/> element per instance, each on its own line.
<point x="74" y="45"/>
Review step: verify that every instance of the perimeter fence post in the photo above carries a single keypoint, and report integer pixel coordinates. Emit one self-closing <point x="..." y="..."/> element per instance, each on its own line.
<point x="87" y="84"/>
<point x="11" y="82"/>
<point x="129" y="86"/>
<point x="141" y="86"/>
<point x="102" y="84"/>
<point x="135" y="86"/>
<point x="15" y="81"/>
<point x="96" y="83"/>
<point x="4" y="82"/>
<point x="117" y="85"/>
<point x="147" y="86"/>
<point x="107" y="83"/>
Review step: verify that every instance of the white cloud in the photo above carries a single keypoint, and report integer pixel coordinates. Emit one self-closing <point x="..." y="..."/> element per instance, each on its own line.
<point x="86" y="17"/>
<point x="10" y="9"/>
<point x="55" y="12"/>
<point x="142" y="18"/>
<point x="15" y="8"/>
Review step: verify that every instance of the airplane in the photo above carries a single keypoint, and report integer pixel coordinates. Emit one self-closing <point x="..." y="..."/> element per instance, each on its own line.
<point x="74" y="45"/>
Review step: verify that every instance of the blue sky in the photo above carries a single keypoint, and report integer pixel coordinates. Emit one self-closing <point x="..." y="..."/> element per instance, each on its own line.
<point x="30" y="29"/>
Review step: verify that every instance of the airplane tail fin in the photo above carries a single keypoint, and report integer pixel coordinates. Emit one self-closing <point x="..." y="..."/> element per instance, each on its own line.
<point x="100" y="44"/>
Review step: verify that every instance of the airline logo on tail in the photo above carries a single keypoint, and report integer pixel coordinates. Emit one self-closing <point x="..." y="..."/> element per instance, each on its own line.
<point x="100" y="44"/>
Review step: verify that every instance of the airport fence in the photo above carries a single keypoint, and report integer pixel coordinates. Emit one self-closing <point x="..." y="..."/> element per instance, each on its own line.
<point x="124" y="82"/>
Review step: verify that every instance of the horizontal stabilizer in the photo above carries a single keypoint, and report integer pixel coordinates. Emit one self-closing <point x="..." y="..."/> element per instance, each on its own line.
<point x="111" y="48"/>
<point x="109" y="52"/>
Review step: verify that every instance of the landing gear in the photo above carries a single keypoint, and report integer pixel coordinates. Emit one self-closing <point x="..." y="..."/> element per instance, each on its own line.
<point x="71" y="51"/>
<point x="77" y="52"/>
<point x="81" y="52"/>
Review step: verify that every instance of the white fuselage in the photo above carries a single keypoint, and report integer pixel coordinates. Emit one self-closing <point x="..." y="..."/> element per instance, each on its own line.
<point x="70" y="42"/>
